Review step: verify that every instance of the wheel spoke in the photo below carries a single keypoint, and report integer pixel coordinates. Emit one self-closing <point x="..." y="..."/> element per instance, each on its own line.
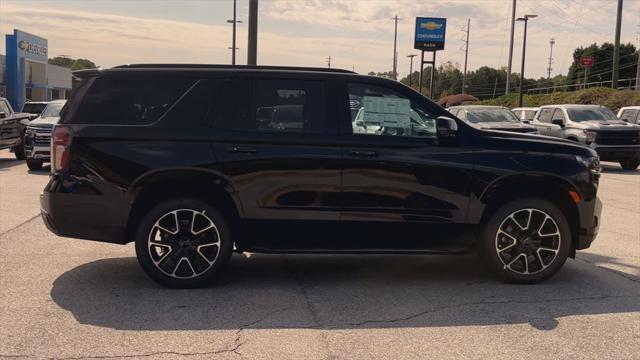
<point x="175" y="219"/>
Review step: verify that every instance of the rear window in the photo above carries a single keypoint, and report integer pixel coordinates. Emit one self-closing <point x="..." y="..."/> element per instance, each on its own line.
<point x="131" y="100"/>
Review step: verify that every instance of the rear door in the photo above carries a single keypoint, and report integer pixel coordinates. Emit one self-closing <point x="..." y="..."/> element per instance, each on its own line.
<point x="401" y="188"/>
<point x="273" y="146"/>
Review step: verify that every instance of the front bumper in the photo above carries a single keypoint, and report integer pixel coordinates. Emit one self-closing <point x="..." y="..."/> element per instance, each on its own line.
<point x="590" y="216"/>
<point x="617" y="152"/>
<point x="37" y="144"/>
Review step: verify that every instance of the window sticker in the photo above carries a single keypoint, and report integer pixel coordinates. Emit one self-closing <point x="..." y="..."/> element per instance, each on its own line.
<point x="387" y="112"/>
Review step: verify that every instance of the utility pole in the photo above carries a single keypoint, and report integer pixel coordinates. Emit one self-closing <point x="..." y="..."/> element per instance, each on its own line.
<point x="252" y="43"/>
<point x="638" y="73"/>
<point x="395" y="53"/>
<point x="329" y="62"/>
<point x="524" y="48"/>
<point x="411" y="66"/>
<point x="233" y="36"/>
<point x="466" y="55"/>
<point x="513" y="24"/>
<point x="551" y="42"/>
<point x="616" y="48"/>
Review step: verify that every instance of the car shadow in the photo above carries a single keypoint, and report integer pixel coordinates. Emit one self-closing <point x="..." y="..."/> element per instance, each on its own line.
<point x="46" y="170"/>
<point x="614" y="168"/>
<point x="6" y="163"/>
<point x="338" y="292"/>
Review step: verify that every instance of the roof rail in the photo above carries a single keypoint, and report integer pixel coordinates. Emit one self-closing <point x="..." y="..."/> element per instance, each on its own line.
<point x="223" y="66"/>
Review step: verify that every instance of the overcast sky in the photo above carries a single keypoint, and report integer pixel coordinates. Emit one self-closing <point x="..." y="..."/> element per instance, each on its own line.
<point x="356" y="34"/>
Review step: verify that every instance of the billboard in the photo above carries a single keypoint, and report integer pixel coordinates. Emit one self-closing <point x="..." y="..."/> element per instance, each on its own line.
<point x="430" y="33"/>
<point x="587" y="61"/>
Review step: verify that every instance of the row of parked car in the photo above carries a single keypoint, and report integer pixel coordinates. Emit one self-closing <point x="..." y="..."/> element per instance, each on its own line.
<point x="28" y="133"/>
<point x="614" y="137"/>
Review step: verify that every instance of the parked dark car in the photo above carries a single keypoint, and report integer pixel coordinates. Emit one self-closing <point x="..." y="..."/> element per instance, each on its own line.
<point x="491" y="118"/>
<point x="191" y="164"/>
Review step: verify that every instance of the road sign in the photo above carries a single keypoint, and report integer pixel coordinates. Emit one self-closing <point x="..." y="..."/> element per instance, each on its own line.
<point x="587" y="61"/>
<point x="430" y="33"/>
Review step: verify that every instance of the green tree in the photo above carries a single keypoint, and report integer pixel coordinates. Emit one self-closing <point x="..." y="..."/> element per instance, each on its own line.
<point x="73" y="64"/>
<point x="603" y="63"/>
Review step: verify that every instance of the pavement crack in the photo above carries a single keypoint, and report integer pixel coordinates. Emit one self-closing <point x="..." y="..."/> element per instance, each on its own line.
<point x="497" y="302"/>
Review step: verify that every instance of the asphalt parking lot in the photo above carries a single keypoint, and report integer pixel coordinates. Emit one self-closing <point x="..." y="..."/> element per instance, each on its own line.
<point x="70" y="299"/>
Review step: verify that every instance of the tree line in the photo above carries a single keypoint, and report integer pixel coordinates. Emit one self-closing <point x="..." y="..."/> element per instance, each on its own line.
<point x="487" y="82"/>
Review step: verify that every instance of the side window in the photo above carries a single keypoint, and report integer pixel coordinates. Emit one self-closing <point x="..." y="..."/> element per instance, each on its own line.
<point x="558" y="115"/>
<point x="376" y="110"/>
<point x="131" y="100"/>
<point x="278" y="106"/>
<point x="4" y="108"/>
<point x="545" y="115"/>
<point x="630" y="115"/>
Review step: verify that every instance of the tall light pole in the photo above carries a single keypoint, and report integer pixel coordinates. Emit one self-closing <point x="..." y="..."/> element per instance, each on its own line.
<point x="233" y="36"/>
<point x="411" y="66"/>
<point x="395" y="53"/>
<point x="252" y="43"/>
<point x="524" y="51"/>
<point x="616" y="48"/>
<point x="513" y="23"/>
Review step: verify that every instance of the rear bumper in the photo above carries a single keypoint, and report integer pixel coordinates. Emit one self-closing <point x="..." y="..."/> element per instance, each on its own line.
<point x="617" y="152"/>
<point x="82" y="216"/>
<point x="590" y="216"/>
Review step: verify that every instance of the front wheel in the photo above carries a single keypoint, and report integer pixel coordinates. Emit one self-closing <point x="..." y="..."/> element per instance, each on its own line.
<point x="183" y="243"/>
<point x="526" y="241"/>
<point x="630" y="164"/>
<point x="34" y="165"/>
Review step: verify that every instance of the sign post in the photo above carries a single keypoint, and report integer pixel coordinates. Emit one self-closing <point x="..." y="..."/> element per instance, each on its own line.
<point x="586" y="62"/>
<point x="429" y="36"/>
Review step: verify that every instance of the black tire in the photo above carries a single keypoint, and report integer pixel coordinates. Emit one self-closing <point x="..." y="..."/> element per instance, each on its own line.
<point x="18" y="152"/>
<point x="194" y="272"/>
<point x="496" y="248"/>
<point x="630" y="164"/>
<point x="34" y="165"/>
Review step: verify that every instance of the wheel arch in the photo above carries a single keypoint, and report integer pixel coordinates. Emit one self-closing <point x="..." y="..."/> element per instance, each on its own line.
<point x="153" y="187"/>
<point x="546" y="186"/>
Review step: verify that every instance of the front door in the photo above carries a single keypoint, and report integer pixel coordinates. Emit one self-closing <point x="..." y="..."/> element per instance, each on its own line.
<point x="401" y="188"/>
<point x="273" y="148"/>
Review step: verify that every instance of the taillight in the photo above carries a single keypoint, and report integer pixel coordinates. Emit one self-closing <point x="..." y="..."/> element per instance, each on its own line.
<point x="60" y="146"/>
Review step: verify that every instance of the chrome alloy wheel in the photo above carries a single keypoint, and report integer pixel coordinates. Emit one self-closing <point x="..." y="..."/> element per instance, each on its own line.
<point x="528" y="241"/>
<point x="184" y="243"/>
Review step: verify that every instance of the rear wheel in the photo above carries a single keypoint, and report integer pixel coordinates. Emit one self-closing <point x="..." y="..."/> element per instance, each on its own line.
<point x="526" y="241"/>
<point x="183" y="243"/>
<point x="630" y="164"/>
<point x="34" y="165"/>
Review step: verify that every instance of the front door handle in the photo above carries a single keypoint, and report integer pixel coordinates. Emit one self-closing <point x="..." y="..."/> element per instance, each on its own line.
<point x="240" y="150"/>
<point x="362" y="153"/>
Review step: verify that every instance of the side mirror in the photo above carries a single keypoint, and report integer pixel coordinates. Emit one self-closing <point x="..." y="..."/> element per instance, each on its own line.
<point x="2" y="115"/>
<point x="446" y="127"/>
<point x="558" y="122"/>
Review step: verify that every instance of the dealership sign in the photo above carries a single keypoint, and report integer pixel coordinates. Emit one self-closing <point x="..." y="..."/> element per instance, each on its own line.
<point x="430" y="33"/>
<point x="587" y="61"/>
<point x="32" y="48"/>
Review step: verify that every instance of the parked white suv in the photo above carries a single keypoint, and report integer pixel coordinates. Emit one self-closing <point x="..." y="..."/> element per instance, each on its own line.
<point x="526" y="114"/>
<point x="630" y="114"/>
<point x="595" y="126"/>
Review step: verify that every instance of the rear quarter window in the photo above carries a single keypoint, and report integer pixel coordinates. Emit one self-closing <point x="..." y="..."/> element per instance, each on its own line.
<point x="131" y="100"/>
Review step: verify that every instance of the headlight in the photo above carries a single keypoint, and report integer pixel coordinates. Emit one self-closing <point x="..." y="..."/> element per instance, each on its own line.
<point x="591" y="163"/>
<point x="590" y="135"/>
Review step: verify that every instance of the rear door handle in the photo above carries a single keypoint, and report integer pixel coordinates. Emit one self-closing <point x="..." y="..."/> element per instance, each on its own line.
<point x="362" y="153"/>
<point x="240" y="149"/>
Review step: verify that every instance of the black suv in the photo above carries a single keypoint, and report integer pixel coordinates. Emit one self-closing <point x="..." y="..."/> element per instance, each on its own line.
<point x="193" y="163"/>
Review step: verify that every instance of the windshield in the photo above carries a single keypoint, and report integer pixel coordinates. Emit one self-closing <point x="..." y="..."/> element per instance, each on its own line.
<point x="33" y="108"/>
<point x="490" y="115"/>
<point x="591" y="114"/>
<point x="52" y="110"/>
